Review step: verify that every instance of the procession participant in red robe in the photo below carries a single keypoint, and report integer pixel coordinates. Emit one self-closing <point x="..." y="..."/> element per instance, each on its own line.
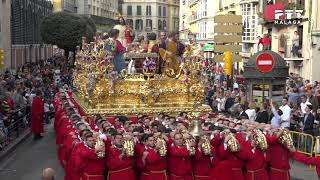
<point x="255" y="161"/>
<point x="154" y="164"/>
<point x="37" y="115"/>
<point x="279" y="161"/>
<point x="179" y="160"/>
<point x="87" y="162"/>
<point x="68" y="145"/>
<point x="229" y="165"/>
<point x="202" y="163"/>
<point x="71" y="172"/>
<point x="314" y="161"/>
<point x="138" y="149"/>
<point x="120" y="166"/>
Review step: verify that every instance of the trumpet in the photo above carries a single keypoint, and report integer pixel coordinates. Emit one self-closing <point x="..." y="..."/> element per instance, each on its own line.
<point x="100" y="143"/>
<point x="260" y="139"/>
<point x="128" y="147"/>
<point x="233" y="143"/>
<point x="206" y="146"/>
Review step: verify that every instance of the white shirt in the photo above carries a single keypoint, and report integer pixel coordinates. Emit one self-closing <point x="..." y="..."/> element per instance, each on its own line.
<point x="303" y="107"/>
<point x="251" y="114"/>
<point x="285" y="118"/>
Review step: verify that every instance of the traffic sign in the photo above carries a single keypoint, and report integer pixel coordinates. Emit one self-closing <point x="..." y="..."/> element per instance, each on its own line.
<point x="265" y="62"/>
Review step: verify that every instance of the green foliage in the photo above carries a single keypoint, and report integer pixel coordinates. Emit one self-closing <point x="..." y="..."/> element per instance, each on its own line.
<point x="104" y="28"/>
<point x="66" y="30"/>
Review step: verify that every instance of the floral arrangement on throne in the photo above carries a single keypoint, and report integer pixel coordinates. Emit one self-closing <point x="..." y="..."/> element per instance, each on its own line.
<point x="149" y="66"/>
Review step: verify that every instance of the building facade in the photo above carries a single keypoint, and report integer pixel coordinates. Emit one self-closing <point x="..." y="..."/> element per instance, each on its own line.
<point x="102" y="8"/>
<point x="65" y="5"/>
<point x="5" y="38"/>
<point x="196" y="18"/>
<point x="255" y="26"/>
<point x="27" y="46"/>
<point x="146" y="16"/>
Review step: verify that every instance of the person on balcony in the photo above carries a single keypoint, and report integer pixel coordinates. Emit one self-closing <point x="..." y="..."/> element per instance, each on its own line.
<point x="295" y="44"/>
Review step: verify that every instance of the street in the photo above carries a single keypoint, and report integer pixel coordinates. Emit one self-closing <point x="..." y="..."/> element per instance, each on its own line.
<point x="28" y="160"/>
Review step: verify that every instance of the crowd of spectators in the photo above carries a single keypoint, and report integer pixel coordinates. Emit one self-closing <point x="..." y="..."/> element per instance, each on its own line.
<point x="298" y="110"/>
<point x="18" y="88"/>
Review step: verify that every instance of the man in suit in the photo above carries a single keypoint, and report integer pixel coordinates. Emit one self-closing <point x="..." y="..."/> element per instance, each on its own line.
<point x="308" y="119"/>
<point x="242" y="114"/>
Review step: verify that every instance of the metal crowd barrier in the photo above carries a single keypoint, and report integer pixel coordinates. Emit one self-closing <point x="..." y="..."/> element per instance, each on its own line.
<point x="305" y="143"/>
<point x="20" y="121"/>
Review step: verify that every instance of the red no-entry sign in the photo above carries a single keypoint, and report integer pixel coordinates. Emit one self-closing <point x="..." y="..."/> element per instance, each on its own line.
<point x="265" y="62"/>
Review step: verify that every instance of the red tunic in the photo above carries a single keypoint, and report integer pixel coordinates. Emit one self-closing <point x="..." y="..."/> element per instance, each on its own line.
<point x="202" y="165"/>
<point x="179" y="163"/>
<point x="71" y="172"/>
<point x="90" y="166"/>
<point x="279" y="161"/>
<point x="119" y="168"/>
<point x="155" y="166"/>
<point x="37" y="115"/>
<point x="255" y="163"/>
<point x="230" y="164"/>
<point x="315" y="161"/>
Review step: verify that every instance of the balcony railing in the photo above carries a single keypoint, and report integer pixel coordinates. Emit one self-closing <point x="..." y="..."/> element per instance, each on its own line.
<point x="290" y="55"/>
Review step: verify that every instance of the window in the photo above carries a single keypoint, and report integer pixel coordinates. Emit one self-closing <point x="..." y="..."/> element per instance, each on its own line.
<point x="129" y="22"/>
<point x="164" y="12"/>
<point x="160" y="25"/>
<point x="94" y="10"/>
<point x="148" y="10"/>
<point x="159" y="11"/>
<point x="139" y="25"/>
<point x="139" y="13"/>
<point x="175" y="12"/>
<point x="250" y="21"/>
<point x="129" y="10"/>
<point x="164" y="24"/>
<point x="149" y="24"/>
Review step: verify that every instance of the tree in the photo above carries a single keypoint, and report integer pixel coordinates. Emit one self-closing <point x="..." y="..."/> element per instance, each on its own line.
<point x="91" y="28"/>
<point x="66" y="30"/>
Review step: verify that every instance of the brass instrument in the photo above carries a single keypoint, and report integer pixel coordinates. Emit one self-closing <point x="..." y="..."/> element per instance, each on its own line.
<point x="100" y="143"/>
<point x="128" y="147"/>
<point x="206" y="146"/>
<point x="233" y="143"/>
<point x="163" y="147"/>
<point x="285" y="138"/>
<point x="260" y="139"/>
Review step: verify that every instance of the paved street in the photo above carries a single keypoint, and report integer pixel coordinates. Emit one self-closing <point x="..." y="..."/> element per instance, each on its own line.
<point x="28" y="160"/>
